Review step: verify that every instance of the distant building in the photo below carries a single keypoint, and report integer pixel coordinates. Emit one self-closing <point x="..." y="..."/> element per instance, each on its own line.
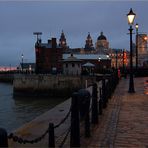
<point x="72" y="66"/>
<point x="89" y="43"/>
<point x="102" y="44"/>
<point x="119" y="58"/>
<point x="27" y="67"/>
<point x="99" y="61"/>
<point x="142" y="50"/>
<point x="48" y="56"/>
<point x="62" y="41"/>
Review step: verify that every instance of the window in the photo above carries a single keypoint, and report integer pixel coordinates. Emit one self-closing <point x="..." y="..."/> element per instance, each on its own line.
<point x="73" y="65"/>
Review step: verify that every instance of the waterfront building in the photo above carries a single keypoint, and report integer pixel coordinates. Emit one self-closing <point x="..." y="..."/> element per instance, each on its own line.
<point x="89" y="44"/>
<point x="142" y="39"/>
<point x="27" y="67"/>
<point x="62" y="41"/>
<point x="102" y="45"/>
<point x="48" y="56"/>
<point x="72" y="66"/>
<point x="100" y="61"/>
<point x="119" y="58"/>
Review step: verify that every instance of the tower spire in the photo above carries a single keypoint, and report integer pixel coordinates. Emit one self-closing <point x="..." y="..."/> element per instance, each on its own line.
<point x="62" y="40"/>
<point x="88" y="42"/>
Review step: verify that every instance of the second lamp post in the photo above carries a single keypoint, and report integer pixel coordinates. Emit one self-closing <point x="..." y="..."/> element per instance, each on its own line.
<point x="131" y="16"/>
<point x="136" y="46"/>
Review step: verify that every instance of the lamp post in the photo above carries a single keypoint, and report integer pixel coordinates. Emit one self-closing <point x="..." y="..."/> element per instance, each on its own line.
<point x="136" y="46"/>
<point x="22" y="63"/>
<point x="131" y="16"/>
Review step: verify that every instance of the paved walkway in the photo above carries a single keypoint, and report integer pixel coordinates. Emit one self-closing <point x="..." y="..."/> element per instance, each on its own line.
<point x="124" y="122"/>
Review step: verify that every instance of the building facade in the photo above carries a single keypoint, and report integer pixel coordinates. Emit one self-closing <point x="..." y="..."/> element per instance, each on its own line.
<point x="72" y="66"/>
<point x="142" y="41"/>
<point x="100" y="62"/>
<point x="102" y="44"/>
<point x="119" y="58"/>
<point x="62" y="41"/>
<point x="48" y="56"/>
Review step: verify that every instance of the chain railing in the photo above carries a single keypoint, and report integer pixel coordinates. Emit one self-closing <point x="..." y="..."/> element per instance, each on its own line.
<point x="84" y="107"/>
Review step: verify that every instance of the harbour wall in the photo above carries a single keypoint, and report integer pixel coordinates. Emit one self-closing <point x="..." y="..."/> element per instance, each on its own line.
<point x="49" y="85"/>
<point x="7" y="78"/>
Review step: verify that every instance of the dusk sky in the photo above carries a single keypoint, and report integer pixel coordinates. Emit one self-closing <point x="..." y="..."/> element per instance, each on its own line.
<point x="18" y="21"/>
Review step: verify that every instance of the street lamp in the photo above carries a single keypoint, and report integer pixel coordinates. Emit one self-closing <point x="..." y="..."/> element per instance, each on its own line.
<point x="136" y="46"/>
<point x="22" y="62"/>
<point x="131" y="16"/>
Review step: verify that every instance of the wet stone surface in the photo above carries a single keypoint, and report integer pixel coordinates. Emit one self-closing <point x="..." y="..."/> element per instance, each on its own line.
<point x="124" y="122"/>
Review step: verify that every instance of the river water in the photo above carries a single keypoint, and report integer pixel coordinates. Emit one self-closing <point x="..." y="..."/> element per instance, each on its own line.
<point x="14" y="112"/>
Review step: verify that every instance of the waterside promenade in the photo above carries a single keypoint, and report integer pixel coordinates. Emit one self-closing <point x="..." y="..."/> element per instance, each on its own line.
<point x="122" y="124"/>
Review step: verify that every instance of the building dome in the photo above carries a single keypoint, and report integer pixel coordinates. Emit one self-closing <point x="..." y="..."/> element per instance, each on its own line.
<point x="102" y="37"/>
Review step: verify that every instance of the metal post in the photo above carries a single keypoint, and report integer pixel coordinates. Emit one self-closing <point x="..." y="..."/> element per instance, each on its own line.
<point x="51" y="136"/>
<point x="100" y="102"/>
<point x="94" y="119"/>
<point x="75" y="123"/>
<point x="104" y="93"/>
<point x="87" y="122"/>
<point x="22" y="63"/>
<point x="3" y="138"/>
<point x="136" y="48"/>
<point x="131" y="81"/>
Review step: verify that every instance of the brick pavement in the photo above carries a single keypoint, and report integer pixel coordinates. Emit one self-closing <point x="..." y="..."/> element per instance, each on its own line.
<point x="124" y="122"/>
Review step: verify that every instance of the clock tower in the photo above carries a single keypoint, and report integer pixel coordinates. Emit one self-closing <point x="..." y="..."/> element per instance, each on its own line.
<point x="62" y="41"/>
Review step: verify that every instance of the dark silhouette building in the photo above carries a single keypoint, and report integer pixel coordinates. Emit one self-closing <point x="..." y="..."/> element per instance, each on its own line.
<point x="62" y="41"/>
<point x="48" y="56"/>
<point x="89" y="43"/>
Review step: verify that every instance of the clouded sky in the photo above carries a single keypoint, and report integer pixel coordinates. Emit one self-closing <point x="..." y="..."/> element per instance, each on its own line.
<point x="18" y="21"/>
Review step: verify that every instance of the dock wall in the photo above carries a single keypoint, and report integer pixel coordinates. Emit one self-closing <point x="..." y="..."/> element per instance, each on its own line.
<point x="49" y="85"/>
<point x="7" y="78"/>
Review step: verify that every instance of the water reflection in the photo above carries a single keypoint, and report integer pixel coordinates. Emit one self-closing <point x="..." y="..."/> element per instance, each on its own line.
<point x="16" y="112"/>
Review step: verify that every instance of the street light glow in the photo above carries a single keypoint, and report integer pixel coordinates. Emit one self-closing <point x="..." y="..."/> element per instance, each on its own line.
<point x="131" y="16"/>
<point x="137" y="26"/>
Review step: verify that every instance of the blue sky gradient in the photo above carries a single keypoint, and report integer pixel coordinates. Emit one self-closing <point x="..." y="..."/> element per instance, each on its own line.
<point x="18" y="21"/>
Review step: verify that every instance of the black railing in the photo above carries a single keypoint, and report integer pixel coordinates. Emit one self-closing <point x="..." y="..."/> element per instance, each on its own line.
<point x="84" y="107"/>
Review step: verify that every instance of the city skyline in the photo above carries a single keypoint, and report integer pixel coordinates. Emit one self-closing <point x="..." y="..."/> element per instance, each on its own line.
<point x="20" y="19"/>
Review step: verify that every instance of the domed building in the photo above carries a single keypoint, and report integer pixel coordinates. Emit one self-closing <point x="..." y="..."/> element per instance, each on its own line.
<point x="102" y="43"/>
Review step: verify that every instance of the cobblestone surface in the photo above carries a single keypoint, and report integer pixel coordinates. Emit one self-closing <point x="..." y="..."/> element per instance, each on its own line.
<point x="125" y="121"/>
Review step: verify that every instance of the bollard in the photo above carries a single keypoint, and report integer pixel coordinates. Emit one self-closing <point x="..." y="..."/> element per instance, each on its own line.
<point x="100" y="102"/>
<point x="3" y="138"/>
<point x="94" y="118"/>
<point x="51" y="136"/>
<point x="84" y="104"/>
<point x="104" y="93"/>
<point x="75" y="122"/>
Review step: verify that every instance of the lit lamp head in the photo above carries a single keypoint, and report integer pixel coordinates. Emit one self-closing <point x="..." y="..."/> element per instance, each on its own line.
<point x="22" y="56"/>
<point x="131" y="16"/>
<point x="137" y="26"/>
<point x="145" y="38"/>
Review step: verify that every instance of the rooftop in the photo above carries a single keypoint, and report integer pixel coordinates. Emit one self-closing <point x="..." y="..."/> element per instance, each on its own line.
<point x="88" y="56"/>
